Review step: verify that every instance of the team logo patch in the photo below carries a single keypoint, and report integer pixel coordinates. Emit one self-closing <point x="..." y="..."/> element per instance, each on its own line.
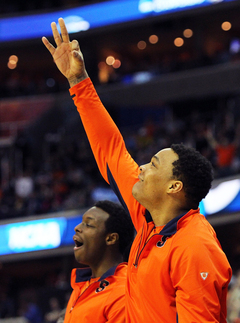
<point x="103" y="284"/>
<point x="161" y="242"/>
<point x="204" y="275"/>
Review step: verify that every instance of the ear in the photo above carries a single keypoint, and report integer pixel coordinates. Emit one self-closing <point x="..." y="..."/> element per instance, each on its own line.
<point x="112" y="238"/>
<point x="175" y="187"/>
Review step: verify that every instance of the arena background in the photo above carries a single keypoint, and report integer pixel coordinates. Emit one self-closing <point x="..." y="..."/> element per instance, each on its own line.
<point x="169" y="74"/>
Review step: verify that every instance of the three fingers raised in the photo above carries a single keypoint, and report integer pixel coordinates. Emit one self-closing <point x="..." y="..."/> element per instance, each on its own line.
<point x="48" y="45"/>
<point x="64" y="37"/>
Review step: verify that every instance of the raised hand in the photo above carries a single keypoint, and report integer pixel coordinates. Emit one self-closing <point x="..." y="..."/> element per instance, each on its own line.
<point x="67" y="54"/>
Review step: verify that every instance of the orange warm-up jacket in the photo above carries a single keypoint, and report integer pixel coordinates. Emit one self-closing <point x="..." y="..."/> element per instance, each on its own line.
<point x="102" y="301"/>
<point x="178" y="273"/>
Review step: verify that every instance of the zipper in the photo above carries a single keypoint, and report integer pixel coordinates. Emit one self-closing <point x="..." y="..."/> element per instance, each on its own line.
<point x="136" y="259"/>
<point x="139" y="253"/>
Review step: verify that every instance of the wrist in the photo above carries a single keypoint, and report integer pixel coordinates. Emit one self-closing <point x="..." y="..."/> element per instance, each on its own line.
<point x="77" y="79"/>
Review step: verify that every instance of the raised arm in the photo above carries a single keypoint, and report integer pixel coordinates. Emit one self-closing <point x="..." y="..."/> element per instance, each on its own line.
<point x="114" y="162"/>
<point x="67" y="55"/>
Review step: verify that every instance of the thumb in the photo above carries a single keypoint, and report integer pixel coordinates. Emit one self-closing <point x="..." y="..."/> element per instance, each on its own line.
<point x="76" y="50"/>
<point x="75" y="45"/>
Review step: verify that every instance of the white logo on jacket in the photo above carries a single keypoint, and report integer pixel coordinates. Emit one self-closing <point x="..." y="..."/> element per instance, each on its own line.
<point x="204" y="275"/>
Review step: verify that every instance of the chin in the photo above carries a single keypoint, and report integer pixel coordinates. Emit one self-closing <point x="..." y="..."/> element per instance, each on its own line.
<point x="81" y="262"/>
<point x="78" y="258"/>
<point x="135" y="191"/>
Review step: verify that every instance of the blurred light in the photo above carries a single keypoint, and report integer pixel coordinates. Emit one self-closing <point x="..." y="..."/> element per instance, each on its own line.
<point x="11" y="65"/>
<point x="221" y="196"/>
<point x="50" y="82"/>
<point x="110" y="60"/>
<point x="75" y="24"/>
<point x="178" y="41"/>
<point x="234" y="46"/>
<point x="145" y="6"/>
<point x="159" y="6"/>
<point x="103" y="73"/>
<point x="12" y="62"/>
<point x="100" y="194"/>
<point x="142" y="77"/>
<point x="101" y="65"/>
<point x="153" y="39"/>
<point x="117" y="63"/>
<point x="43" y="234"/>
<point x="13" y="59"/>
<point x="141" y="44"/>
<point x="187" y="33"/>
<point x="226" y="25"/>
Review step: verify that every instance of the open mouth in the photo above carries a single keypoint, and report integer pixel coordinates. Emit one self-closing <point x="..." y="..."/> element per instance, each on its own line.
<point x="78" y="244"/>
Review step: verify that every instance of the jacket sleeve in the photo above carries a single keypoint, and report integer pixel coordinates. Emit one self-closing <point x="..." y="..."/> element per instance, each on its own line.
<point x="200" y="275"/>
<point x="114" y="162"/>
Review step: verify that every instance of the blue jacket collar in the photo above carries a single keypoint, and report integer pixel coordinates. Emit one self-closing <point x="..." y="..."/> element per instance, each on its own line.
<point x="171" y="227"/>
<point x="84" y="274"/>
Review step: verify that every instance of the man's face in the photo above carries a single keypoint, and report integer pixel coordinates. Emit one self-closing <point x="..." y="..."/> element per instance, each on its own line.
<point x="154" y="179"/>
<point x="90" y="237"/>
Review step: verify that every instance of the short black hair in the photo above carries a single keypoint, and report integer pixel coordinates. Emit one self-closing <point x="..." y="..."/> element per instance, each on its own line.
<point x="195" y="172"/>
<point x="119" y="221"/>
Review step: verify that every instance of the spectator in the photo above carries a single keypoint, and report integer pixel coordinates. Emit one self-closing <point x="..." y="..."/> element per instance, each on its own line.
<point x="233" y="303"/>
<point x="225" y="150"/>
<point x="55" y="310"/>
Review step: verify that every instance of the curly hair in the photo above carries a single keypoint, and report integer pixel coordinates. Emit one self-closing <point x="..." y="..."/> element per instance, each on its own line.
<point x="195" y="172"/>
<point x="120" y="222"/>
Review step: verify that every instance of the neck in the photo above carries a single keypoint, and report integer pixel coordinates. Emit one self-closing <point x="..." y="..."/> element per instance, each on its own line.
<point x="164" y="214"/>
<point x="99" y="269"/>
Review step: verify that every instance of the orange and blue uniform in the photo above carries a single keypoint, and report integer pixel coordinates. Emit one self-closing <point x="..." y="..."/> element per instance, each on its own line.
<point x="177" y="272"/>
<point x="97" y="300"/>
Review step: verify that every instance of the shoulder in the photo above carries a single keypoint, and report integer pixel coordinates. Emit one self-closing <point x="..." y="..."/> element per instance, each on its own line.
<point x="121" y="269"/>
<point x="196" y="235"/>
<point x="120" y="274"/>
<point x="119" y="278"/>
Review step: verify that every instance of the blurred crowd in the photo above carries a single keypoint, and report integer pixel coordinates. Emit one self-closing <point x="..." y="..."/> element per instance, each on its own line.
<point x="137" y="69"/>
<point x="64" y="175"/>
<point x="35" y="304"/>
<point x="62" y="179"/>
<point x="234" y="300"/>
<point x="60" y="173"/>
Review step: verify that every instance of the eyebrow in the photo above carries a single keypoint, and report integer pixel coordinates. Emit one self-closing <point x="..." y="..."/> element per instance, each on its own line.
<point x="157" y="159"/>
<point x="89" y="218"/>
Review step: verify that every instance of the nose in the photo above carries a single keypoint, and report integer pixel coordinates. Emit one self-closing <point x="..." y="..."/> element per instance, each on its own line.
<point x="142" y="168"/>
<point x="78" y="228"/>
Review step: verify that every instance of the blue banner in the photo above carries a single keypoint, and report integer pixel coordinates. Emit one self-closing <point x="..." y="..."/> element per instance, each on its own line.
<point x="222" y="199"/>
<point x="36" y="235"/>
<point x="93" y="16"/>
